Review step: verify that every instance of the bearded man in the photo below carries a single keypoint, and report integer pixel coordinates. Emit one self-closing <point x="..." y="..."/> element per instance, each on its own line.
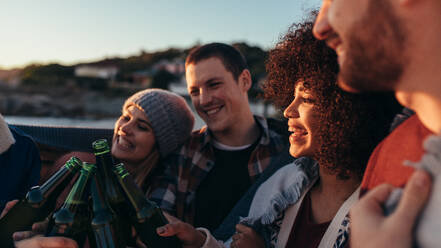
<point x="389" y="45"/>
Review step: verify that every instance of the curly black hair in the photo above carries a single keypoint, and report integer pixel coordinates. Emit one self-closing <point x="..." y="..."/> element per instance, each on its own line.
<point x="351" y="125"/>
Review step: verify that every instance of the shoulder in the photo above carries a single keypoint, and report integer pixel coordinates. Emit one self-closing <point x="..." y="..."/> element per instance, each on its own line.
<point x="22" y="140"/>
<point x="196" y="140"/>
<point x="412" y="126"/>
<point x="23" y="156"/>
<point x="409" y="136"/>
<point x="187" y="150"/>
<point x="24" y="150"/>
<point x="385" y="164"/>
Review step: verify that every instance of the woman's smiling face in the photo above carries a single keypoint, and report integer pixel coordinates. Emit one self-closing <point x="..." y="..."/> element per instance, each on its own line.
<point x="303" y="123"/>
<point x="133" y="137"/>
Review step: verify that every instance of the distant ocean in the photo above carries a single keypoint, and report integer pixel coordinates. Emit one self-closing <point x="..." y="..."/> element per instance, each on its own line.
<point x="63" y="122"/>
<point x="71" y="122"/>
<point x="106" y="123"/>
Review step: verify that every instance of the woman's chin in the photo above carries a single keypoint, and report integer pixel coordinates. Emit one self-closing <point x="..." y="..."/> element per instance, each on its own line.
<point x="120" y="155"/>
<point x="298" y="152"/>
<point x="295" y="153"/>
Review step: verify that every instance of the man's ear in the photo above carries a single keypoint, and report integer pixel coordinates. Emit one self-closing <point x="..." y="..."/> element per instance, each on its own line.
<point x="245" y="81"/>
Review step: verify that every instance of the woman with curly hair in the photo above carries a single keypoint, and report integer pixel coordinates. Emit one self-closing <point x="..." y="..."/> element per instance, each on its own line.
<point x="306" y="203"/>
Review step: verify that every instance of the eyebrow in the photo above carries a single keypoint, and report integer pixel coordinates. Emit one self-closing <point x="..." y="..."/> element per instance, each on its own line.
<point x="210" y="80"/>
<point x="139" y="119"/>
<point x="145" y="122"/>
<point x="213" y="79"/>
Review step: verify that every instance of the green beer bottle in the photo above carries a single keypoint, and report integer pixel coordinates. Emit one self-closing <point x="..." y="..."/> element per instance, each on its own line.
<point x="73" y="218"/>
<point x="38" y="203"/>
<point x="104" y="164"/>
<point x="149" y="216"/>
<point x="107" y="234"/>
<point x="114" y="195"/>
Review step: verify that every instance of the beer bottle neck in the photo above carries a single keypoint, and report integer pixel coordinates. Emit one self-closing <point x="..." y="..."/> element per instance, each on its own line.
<point x="56" y="179"/>
<point x="133" y="192"/>
<point x="103" y="158"/>
<point x="76" y="195"/>
<point x="64" y="174"/>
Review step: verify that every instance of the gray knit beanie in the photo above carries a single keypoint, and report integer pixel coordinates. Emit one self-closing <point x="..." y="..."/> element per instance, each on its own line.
<point x="171" y="118"/>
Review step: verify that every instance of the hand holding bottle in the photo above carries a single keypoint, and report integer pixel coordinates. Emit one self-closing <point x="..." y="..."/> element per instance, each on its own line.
<point x="27" y="239"/>
<point x="37" y="228"/>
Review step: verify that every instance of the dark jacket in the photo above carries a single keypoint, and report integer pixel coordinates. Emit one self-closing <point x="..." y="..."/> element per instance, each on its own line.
<point x="19" y="168"/>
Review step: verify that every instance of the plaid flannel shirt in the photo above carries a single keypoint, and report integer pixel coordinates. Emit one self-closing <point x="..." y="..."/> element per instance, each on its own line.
<point x="175" y="190"/>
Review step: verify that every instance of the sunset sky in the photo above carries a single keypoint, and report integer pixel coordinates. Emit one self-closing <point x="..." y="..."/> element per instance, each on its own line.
<point x="72" y="31"/>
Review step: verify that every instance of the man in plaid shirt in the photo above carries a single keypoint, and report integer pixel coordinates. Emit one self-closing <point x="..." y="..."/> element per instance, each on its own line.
<point x="204" y="179"/>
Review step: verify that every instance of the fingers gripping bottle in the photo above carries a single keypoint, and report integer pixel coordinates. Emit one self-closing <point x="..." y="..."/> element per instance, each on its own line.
<point x="73" y="218"/>
<point x="38" y="203"/>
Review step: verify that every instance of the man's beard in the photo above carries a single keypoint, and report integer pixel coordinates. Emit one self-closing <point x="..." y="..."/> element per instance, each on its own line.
<point x="375" y="57"/>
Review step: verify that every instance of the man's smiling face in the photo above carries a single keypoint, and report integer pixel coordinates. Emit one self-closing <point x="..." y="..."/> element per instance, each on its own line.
<point x="216" y="95"/>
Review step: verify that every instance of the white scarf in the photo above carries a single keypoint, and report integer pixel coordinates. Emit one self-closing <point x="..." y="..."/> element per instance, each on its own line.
<point x="284" y="192"/>
<point x="6" y="138"/>
<point x="429" y="224"/>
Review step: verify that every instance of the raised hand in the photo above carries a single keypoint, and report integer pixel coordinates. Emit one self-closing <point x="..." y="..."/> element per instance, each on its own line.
<point x="371" y="229"/>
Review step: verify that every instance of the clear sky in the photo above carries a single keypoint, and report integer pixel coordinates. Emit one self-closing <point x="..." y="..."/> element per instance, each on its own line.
<point x="78" y="30"/>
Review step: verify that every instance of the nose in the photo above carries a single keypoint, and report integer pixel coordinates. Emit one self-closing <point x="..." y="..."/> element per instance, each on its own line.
<point x="126" y="127"/>
<point x="292" y="110"/>
<point x="322" y="29"/>
<point x="204" y="97"/>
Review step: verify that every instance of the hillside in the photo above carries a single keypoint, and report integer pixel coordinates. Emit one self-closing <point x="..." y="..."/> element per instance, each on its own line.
<point x="70" y="90"/>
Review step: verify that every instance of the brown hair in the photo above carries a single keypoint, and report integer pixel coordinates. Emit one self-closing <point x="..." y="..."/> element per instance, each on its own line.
<point x="231" y="58"/>
<point x="351" y="125"/>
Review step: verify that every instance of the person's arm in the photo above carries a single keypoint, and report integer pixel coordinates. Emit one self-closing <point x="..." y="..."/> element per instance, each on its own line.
<point x="46" y="242"/>
<point x="189" y="236"/>
<point x="201" y="238"/>
<point x="371" y="229"/>
<point x="186" y="233"/>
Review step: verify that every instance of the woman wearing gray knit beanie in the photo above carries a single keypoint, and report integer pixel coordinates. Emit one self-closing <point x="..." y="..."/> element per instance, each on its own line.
<point x="153" y="123"/>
